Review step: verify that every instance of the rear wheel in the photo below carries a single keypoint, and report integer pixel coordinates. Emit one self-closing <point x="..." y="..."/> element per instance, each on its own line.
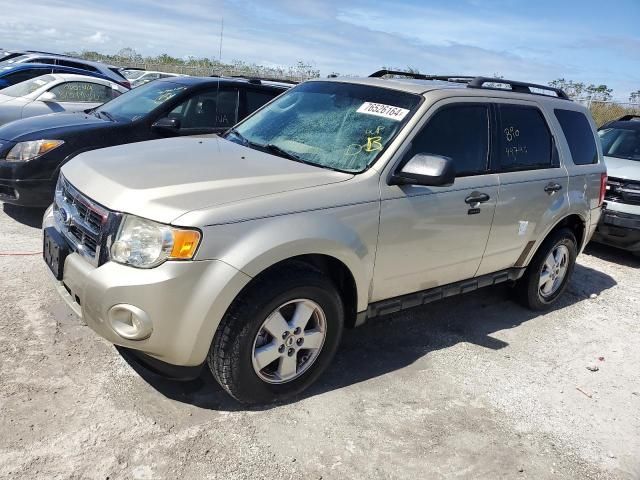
<point x="278" y="336"/>
<point x="549" y="272"/>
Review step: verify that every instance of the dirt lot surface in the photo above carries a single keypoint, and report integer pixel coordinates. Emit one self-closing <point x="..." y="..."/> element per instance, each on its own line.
<point x="471" y="387"/>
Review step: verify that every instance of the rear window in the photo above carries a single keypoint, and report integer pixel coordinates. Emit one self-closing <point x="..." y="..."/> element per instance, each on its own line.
<point x="577" y="131"/>
<point x="525" y="140"/>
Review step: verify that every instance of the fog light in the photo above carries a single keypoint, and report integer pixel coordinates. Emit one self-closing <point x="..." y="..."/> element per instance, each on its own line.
<point x="130" y="322"/>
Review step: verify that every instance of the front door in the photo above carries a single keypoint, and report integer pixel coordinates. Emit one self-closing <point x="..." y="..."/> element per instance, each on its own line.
<point x="432" y="236"/>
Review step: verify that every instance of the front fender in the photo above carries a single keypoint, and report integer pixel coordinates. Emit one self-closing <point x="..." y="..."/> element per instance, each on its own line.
<point x="348" y="234"/>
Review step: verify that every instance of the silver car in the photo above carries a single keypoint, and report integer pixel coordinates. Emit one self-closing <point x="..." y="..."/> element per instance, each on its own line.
<point x="53" y="93"/>
<point x="620" y="222"/>
<point x="339" y="201"/>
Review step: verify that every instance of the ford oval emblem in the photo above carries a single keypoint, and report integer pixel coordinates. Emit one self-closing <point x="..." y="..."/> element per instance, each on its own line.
<point x="64" y="216"/>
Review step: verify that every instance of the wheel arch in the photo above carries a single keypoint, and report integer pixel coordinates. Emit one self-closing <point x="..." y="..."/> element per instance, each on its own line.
<point x="574" y="221"/>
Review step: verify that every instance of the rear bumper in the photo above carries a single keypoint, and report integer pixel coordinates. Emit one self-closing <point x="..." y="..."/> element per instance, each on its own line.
<point x="619" y="229"/>
<point x="27" y="193"/>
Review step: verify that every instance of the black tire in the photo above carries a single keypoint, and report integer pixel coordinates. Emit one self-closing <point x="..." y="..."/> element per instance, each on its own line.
<point x="230" y="355"/>
<point x="527" y="289"/>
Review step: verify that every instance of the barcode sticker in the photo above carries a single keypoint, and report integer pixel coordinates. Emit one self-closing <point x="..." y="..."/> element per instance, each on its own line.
<point x="381" y="110"/>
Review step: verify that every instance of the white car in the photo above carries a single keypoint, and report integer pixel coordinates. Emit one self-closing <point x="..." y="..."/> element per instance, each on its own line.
<point x="54" y="93"/>
<point x="140" y="77"/>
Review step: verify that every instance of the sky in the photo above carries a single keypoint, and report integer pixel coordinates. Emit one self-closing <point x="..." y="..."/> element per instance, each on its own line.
<point x="537" y="41"/>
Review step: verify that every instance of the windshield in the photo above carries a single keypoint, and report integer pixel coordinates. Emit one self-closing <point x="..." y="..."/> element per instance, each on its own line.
<point x="342" y="126"/>
<point x="132" y="74"/>
<point x="137" y="103"/>
<point x="621" y="142"/>
<point x="29" y="86"/>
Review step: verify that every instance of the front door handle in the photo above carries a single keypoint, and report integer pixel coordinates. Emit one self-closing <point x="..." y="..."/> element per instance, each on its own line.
<point x="477" y="197"/>
<point x="552" y="187"/>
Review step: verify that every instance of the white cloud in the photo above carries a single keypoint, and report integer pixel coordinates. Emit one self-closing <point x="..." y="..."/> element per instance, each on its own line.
<point x="98" y="38"/>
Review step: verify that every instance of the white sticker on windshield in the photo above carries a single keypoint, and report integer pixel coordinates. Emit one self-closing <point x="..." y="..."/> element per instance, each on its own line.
<point x="382" y="110"/>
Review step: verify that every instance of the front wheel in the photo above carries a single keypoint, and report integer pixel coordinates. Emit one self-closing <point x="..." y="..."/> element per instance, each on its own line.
<point x="549" y="272"/>
<point x="278" y="336"/>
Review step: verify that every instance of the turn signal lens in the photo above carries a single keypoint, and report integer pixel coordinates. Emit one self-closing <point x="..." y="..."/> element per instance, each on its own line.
<point x="603" y="188"/>
<point x="185" y="243"/>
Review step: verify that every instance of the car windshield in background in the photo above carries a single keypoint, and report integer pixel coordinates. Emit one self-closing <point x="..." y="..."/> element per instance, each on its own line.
<point x="329" y="124"/>
<point x="132" y="74"/>
<point x="13" y="60"/>
<point x="621" y="142"/>
<point x="25" y="88"/>
<point x="139" y="102"/>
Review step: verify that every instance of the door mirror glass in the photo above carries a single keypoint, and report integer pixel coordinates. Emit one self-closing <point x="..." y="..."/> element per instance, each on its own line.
<point x="426" y="169"/>
<point x="167" y="125"/>
<point x="48" y="97"/>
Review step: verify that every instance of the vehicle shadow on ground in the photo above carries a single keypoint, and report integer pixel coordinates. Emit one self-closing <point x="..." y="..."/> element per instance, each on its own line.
<point x="612" y="254"/>
<point x="393" y="342"/>
<point x="31" y="217"/>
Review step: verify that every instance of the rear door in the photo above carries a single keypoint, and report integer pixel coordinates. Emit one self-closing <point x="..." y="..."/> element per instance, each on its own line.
<point x="533" y="184"/>
<point x="432" y="236"/>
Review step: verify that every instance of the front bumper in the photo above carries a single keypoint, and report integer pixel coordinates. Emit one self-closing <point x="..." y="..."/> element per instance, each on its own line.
<point x="619" y="227"/>
<point x="184" y="301"/>
<point x="27" y="193"/>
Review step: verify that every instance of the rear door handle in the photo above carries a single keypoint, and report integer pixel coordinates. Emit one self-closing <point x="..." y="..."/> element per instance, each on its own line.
<point x="552" y="187"/>
<point x="477" y="197"/>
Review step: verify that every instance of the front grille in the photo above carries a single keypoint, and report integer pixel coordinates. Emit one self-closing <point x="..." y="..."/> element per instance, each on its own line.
<point x="623" y="191"/>
<point x="86" y="225"/>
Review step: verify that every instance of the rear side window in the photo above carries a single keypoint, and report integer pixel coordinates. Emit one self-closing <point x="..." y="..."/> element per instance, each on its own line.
<point x="525" y="142"/>
<point x="577" y="131"/>
<point x="459" y="132"/>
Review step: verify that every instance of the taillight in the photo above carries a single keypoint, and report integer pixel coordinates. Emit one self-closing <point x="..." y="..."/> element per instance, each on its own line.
<point x="603" y="188"/>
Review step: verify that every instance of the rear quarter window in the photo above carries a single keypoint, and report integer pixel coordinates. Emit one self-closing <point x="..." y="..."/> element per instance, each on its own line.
<point x="577" y="131"/>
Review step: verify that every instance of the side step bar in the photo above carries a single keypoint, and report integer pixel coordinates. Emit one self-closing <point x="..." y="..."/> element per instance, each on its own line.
<point x="412" y="300"/>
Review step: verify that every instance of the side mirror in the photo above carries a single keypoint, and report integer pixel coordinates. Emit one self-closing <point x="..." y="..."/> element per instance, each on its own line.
<point x="167" y="125"/>
<point x="427" y="170"/>
<point x="48" y="97"/>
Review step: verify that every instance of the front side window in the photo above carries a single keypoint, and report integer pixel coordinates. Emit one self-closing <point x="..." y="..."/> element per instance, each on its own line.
<point x="460" y="133"/>
<point x="83" y="92"/>
<point x="577" y="131"/>
<point x="141" y="101"/>
<point x="258" y="98"/>
<point x="335" y="125"/>
<point x="210" y="109"/>
<point x="27" y="87"/>
<point x="619" y="142"/>
<point x="525" y="142"/>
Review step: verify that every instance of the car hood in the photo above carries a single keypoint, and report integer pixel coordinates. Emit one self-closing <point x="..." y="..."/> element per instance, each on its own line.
<point x="164" y="179"/>
<point x="42" y="125"/>
<point x="622" y="168"/>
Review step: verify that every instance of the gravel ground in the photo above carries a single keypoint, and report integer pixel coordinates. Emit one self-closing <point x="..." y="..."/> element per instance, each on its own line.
<point x="471" y="387"/>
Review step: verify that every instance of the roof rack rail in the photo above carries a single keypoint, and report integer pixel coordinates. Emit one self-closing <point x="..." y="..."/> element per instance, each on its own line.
<point x="258" y="80"/>
<point x="477" y="82"/>
<point x="520" y="87"/>
<point x="421" y="76"/>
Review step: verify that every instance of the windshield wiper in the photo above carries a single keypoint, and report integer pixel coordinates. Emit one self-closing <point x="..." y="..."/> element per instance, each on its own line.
<point x="283" y="153"/>
<point x="242" y="138"/>
<point x="106" y="114"/>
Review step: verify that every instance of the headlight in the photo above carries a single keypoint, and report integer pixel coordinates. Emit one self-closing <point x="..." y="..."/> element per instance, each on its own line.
<point x="145" y="244"/>
<point x="25" y="151"/>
